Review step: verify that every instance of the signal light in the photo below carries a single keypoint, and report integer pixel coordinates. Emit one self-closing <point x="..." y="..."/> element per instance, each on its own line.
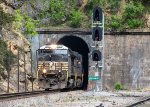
<point x="96" y="55"/>
<point x="97" y="14"/>
<point x="97" y="34"/>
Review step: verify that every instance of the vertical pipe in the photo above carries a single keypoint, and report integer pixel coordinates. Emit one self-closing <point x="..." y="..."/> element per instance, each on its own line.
<point x="37" y="64"/>
<point x="25" y="72"/>
<point x="18" y="69"/>
<point x="103" y="55"/>
<point x="39" y="40"/>
<point x="9" y="67"/>
<point x="124" y="61"/>
<point x="31" y="69"/>
<point x="97" y="81"/>
<point x="8" y="81"/>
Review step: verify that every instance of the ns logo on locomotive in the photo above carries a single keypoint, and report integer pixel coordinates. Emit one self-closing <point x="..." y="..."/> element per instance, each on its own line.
<point x="59" y="67"/>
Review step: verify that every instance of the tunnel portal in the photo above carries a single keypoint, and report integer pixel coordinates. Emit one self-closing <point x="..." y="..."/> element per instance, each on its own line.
<point x="79" y="45"/>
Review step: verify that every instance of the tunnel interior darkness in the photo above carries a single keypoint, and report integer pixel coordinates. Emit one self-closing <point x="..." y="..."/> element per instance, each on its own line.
<point x="79" y="45"/>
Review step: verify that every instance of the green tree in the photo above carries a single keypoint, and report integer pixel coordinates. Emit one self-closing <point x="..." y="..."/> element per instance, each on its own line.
<point x="25" y="23"/>
<point x="30" y="26"/>
<point x="57" y="11"/>
<point x="19" y="18"/>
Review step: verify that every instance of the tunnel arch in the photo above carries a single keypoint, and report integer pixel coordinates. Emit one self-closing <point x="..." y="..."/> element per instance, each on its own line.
<point x="79" y="45"/>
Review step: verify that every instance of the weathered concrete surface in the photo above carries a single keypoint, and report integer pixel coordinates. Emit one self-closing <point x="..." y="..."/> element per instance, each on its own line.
<point x="127" y="60"/>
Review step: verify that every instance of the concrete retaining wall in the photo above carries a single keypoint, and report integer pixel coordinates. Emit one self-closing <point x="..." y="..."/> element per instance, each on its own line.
<point x="127" y="60"/>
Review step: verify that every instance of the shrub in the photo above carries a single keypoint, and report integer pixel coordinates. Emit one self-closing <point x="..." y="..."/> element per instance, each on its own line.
<point x="30" y="26"/>
<point x="57" y="11"/>
<point x="133" y="10"/>
<point x="135" y="23"/>
<point x="76" y="18"/>
<point x="116" y="22"/>
<point x="25" y="23"/>
<point x="114" y="5"/>
<point x="119" y="86"/>
<point x="133" y="14"/>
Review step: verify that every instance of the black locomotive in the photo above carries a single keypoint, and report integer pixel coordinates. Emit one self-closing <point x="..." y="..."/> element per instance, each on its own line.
<point x="59" y="67"/>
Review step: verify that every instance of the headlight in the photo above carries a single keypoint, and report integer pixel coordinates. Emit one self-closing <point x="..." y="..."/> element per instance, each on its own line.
<point x="54" y="46"/>
<point x="44" y="71"/>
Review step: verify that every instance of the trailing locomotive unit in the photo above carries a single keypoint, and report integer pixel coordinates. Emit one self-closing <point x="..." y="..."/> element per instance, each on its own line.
<point x="59" y="67"/>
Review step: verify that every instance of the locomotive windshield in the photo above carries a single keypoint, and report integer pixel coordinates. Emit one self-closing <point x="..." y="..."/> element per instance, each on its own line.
<point x="52" y="55"/>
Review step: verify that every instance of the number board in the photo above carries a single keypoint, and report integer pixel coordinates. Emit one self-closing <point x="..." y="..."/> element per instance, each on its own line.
<point x="94" y="78"/>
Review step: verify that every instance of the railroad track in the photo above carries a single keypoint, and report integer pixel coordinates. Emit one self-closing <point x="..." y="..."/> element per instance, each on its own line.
<point x="144" y="100"/>
<point x="24" y="94"/>
<point x="28" y="94"/>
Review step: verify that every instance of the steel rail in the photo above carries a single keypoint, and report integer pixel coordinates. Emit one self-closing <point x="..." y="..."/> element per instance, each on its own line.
<point x="22" y="94"/>
<point x="25" y="94"/>
<point x="139" y="102"/>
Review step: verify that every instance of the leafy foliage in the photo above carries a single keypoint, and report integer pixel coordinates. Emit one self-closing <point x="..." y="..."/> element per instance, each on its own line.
<point x="25" y="23"/>
<point x="114" y="5"/>
<point x="131" y="17"/>
<point x="119" y="86"/>
<point x="18" y="20"/>
<point x="67" y="12"/>
<point x="76" y="18"/>
<point x="116" y="22"/>
<point x="134" y="10"/>
<point x="62" y="12"/>
<point x="92" y="3"/>
<point x="133" y="14"/>
<point x="135" y="23"/>
<point x="56" y="10"/>
<point x="30" y="26"/>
